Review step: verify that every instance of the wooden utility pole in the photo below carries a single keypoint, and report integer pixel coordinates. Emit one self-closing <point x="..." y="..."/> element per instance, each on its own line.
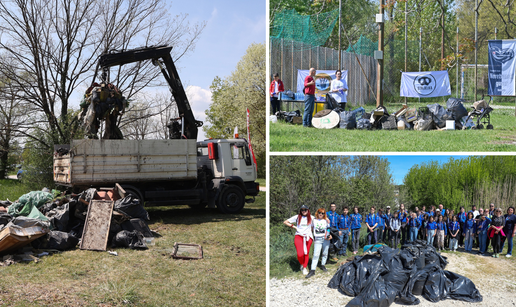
<point x="476" y="46"/>
<point x="379" y="74"/>
<point x="442" y="34"/>
<point x="340" y="13"/>
<point x="406" y="30"/>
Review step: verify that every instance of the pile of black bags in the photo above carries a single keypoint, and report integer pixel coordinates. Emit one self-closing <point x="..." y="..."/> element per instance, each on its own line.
<point x="397" y="275"/>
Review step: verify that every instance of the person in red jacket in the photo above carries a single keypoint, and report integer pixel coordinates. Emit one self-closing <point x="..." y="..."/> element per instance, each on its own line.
<point x="309" y="92"/>
<point x="276" y="88"/>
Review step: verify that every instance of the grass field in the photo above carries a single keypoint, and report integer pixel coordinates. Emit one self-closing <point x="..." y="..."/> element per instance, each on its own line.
<point x="286" y="137"/>
<point x="232" y="272"/>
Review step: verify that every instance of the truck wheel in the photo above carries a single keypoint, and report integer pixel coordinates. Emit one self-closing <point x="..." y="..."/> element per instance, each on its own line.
<point x="231" y="200"/>
<point x="135" y="191"/>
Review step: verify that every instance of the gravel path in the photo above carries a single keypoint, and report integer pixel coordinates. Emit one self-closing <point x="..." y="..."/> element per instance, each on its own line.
<point x="495" y="279"/>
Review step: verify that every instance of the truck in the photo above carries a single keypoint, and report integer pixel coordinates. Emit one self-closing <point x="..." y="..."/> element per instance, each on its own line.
<point x="214" y="173"/>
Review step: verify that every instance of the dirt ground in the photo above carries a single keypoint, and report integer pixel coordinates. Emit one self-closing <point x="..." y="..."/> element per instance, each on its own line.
<point x="495" y="278"/>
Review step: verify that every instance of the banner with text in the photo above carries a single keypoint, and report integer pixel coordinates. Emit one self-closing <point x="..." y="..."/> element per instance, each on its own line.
<point x="322" y="80"/>
<point x="502" y="67"/>
<point x="425" y="84"/>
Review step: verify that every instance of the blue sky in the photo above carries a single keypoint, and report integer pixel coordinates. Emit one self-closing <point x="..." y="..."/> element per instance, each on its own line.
<point x="231" y="27"/>
<point x="399" y="165"/>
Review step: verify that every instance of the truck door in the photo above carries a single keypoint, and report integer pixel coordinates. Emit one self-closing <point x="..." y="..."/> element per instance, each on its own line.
<point x="242" y="165"/>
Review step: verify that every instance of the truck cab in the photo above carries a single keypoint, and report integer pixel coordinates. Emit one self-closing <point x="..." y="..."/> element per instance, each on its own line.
<point x="233" y="170"/>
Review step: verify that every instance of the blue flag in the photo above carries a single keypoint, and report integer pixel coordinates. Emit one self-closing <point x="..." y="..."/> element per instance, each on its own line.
<point x="502" y="64"/>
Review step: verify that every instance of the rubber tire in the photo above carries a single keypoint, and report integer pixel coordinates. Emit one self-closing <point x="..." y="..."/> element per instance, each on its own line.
<point x="480" y="126"/>
<point x="135" y="191"/>
<point x="489" y="127"/>
<point x="231" y="200"/>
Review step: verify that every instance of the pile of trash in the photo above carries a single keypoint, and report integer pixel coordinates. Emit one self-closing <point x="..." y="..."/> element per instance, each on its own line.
<point x="397" y="275"/>
<point x="102" y="102"/>
<point x="92" y="219"/>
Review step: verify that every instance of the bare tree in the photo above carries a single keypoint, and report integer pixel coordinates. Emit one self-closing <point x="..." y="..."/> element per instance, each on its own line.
<point x="12" y="122"/>
<point x="148" y="117"/>
<point x="51" y="48"/>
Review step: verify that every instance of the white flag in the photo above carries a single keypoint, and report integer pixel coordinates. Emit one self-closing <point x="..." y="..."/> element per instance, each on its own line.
<point x="425" y="84"/>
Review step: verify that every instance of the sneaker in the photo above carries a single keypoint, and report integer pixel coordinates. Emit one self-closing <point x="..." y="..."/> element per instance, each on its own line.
<point x="305" y="271"/>
<point x="301" y="268"/>
<point x="497" y="255"/>
<point x="324" y="268"/>
<point x="310" y="274"/>
<point x="508" y="255"/>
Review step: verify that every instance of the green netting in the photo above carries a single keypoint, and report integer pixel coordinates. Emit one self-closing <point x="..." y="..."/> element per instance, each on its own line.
<point x="311" y="29"/>
<point x="364" y="46"/>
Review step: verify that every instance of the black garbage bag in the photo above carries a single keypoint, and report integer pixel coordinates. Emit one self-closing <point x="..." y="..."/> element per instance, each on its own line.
<point x="437" y="286"/>
<point x="331" y="103"/>
<point x="132" y="239"/>
<point x="137" y="224"/>
<point x="389" y="122"/>
<point x="347" y="120"/>
<point x="364" y="124"/>
<point x="61" y="240"/>
<point x="5" y="218"/>
<point x="378" y="293"/>
<point x="439" y="114"/>
<point x="456" y="107"/>
<point x="131" y="206"/>
<point x="59" y="217"/>
<point x="344" y="279"/>
<point x="462" y="288"/>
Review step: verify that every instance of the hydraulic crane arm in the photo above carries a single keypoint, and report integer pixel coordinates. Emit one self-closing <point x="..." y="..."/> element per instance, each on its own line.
<point x="159" y="55"/>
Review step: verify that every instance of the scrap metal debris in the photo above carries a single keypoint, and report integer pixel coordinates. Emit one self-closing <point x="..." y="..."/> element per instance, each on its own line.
<point x="187" y="251"/>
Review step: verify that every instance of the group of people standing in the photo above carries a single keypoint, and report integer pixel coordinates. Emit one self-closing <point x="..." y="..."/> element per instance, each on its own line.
<point x="439" y="227"/>
<point x="338" y="91"/>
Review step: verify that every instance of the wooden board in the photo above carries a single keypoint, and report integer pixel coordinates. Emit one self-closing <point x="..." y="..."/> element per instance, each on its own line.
<point x="329" y="121"/>
<point x="13" y="238"/>
<point x="96" y="226"/>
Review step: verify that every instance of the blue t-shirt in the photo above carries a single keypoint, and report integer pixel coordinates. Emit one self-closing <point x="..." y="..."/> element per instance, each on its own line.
<point x="470" y="224"/>
<point x="431" y="225"/>
<point x="510" y="220"/>
<point x="483" y="225"/>
<point x="372" y="219"/>
<point x="453" y="226"/>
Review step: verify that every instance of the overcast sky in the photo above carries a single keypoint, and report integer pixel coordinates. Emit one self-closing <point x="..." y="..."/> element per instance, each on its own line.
<point x="231" y="27"/>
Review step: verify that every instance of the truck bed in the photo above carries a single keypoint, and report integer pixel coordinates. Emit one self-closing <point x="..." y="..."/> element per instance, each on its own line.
<point x="99" y="162"/>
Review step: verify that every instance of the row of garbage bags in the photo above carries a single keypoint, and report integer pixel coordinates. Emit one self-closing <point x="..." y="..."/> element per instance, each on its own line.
<point x="397" y="275"/>
<point x="433" y="117"/>
<point x="64" y="218"/>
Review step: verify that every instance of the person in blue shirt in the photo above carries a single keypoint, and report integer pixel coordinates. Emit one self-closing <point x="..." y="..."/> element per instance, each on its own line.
<point x="421" y="218"/>
<point x="333" y="217"/>
<point x="356" y="224"/>
<point x="402" y="216"/>
<point x="482" y="227"/>
<point x="469" y="232"/>
<point x="413" y="225"/>
<point x="430" y="231"/>
<point x="461" y="218"/>
<point x="441" y="209"/>
<point x="454" y="227"/>
<point x="344" y="230"/>
<point x="387" y="217"/>
<point x="509" y="230"/>
<point x="381" y="226"/>
<point x="441" y="231"/>
<point x="372" y="223"/>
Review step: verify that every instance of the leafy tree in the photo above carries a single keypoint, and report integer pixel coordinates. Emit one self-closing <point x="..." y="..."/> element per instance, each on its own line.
<point x="244" y="88"/>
